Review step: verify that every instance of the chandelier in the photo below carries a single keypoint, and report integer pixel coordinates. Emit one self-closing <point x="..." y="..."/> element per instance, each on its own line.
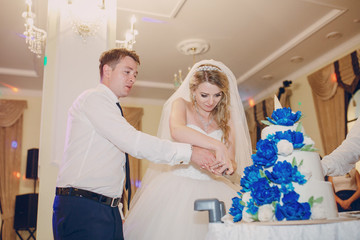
<point x="129" y="41"/>
<point x="34" y="37"/>
<point x="86" y="16"/>
<point x="191" y="47"/>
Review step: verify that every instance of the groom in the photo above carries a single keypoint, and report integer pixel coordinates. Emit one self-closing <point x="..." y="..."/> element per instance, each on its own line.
<point x="91" y="176"/>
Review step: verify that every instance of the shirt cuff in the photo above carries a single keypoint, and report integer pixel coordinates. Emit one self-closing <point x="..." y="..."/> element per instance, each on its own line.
<point x="184" y="154"/>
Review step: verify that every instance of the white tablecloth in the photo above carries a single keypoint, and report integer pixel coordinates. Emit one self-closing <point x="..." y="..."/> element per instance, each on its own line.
<point x="339" y="229"/>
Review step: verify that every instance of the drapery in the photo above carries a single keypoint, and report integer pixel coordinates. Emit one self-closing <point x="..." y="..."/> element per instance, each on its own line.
<point x="260" y="111"/>
<point x="133" y="115"/>
<point x="332" y="86"/>
<point x="11" y="121"/>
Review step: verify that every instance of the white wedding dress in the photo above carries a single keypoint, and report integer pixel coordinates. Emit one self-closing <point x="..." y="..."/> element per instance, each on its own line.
<point x="165" y="208"/>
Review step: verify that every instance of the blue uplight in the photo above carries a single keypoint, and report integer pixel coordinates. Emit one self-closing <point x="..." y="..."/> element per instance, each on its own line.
<point x="14" y="144"/>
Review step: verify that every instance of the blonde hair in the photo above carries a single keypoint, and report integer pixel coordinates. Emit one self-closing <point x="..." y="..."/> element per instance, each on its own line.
<point x="220" y="113"/>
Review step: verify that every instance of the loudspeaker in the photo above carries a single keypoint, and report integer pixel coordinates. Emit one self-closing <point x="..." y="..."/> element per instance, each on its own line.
<point x="32" y="163"/>
<point x="26" y="211"/>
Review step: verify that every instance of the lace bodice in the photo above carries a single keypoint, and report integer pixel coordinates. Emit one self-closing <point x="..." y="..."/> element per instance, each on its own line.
<point x="190" y="170"/>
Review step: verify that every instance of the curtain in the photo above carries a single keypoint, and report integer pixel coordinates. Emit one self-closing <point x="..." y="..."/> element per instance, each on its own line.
<point x="11" y="121"/>
<point x="332" y="87"/>
<point x="260" y="111"/>
<point x="329" y="106"/>
<point x="133" y="115"/>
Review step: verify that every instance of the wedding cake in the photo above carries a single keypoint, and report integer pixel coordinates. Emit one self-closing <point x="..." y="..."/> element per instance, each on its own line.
<point x="285" y="181"/>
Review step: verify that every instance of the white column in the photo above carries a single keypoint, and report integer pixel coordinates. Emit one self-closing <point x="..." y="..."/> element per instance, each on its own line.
<point x="72" y="67"/>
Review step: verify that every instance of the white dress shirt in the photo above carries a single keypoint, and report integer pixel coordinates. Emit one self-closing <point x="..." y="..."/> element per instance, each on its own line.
<point x="97" y="138"/>
<point x="344" y="157"/>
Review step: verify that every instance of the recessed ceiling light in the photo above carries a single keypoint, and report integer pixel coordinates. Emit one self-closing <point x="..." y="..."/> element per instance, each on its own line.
<point x="334" y="35"/>
<point x="267" y="77"/>
<point x="296" y="59"/>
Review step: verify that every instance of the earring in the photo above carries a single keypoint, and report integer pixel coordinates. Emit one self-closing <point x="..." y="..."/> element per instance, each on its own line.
<point x="194" y="98"/>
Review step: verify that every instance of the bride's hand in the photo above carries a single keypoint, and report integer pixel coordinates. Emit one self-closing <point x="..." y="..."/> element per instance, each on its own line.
<point x="223" y="164"/>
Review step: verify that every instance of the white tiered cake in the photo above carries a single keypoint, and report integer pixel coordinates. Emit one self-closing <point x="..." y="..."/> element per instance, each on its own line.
<point x="285" y="181"/>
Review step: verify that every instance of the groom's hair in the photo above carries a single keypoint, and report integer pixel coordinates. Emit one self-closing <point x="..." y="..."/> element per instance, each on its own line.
<point x="113" y="56"/>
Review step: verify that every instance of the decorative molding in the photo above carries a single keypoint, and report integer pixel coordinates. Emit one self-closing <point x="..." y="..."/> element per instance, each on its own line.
<point x="18" y="72"/>
<point x="7" y="92"/>
<point x="171" y="13"/>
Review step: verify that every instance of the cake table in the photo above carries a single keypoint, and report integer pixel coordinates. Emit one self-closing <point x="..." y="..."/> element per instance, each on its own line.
<point x="341" y="228"/>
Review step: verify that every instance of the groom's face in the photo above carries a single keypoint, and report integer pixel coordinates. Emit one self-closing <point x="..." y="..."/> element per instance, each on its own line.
<point x="207" y="96"/>
<point x="122" y="77"/>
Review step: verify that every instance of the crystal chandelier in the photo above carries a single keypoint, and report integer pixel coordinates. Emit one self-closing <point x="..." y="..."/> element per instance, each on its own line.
<point x="34" y="37"/>
<point x="86" y="16"/>
<point x="129" y="41"/>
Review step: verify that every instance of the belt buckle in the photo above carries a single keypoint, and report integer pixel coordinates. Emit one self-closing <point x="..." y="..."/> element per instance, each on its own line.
<point x="114" y="202"/>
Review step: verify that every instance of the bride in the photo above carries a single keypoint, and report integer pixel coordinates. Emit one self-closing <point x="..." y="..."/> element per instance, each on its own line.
<point x="205" y="111"/>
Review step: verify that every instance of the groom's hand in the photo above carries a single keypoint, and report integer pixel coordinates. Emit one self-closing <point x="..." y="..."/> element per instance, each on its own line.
<point x="203" y="158"/>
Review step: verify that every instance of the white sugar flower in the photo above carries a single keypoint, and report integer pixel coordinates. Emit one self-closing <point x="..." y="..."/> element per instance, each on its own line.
<point x="285" y="147"/>
<point x="318" y="212"/>
<point x="266" y="213"/>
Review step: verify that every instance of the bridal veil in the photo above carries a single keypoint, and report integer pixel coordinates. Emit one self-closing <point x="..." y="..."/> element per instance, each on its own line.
<point x="242" y="138"/>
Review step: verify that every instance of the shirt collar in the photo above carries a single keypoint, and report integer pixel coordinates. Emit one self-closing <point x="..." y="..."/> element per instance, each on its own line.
<point x="108" y="92"/>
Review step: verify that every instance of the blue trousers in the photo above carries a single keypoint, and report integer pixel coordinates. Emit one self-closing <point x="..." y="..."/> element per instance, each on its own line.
<point x="78" y="218"/>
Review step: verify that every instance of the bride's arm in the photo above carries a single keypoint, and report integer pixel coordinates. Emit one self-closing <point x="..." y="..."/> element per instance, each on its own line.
<point x="181" y="133"/>
<point x="231" y="146"/>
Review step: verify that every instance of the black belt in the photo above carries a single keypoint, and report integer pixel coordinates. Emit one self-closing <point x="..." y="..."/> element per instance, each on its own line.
<point x="112" y="202"/>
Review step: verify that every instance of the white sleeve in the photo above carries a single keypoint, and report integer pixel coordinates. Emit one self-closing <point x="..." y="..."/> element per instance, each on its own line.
<point x="344" y="157"/>
<point x="108" y="122"/>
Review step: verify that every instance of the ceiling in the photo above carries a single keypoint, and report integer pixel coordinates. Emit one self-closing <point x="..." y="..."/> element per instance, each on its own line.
<point x="256" y="39"/>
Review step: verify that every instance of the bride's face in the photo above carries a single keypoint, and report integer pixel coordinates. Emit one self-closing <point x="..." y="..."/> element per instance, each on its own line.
<point x="207" y="96"/>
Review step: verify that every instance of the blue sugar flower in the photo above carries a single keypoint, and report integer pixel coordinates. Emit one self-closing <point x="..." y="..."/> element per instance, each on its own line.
<point x="251" y="175"/>
<point x="280" y="135"/>
<point x="296" y="138"/>
<point x="293" y="211"/>
<point x="263" y="193"/>
<point x="282" y="173"/>
<point x="236" y="209"/>
<point x="285" y="173"/>
<point x="290" y="197"/>
<point x="284" y="116"/>
<point x="299" y="178"/>
<point x="286" y="188"/>
<point x="266" y="153"/>
<point x="252" y="208"/>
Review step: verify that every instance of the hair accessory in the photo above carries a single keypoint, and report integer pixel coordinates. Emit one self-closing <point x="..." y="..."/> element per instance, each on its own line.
<point x="208" y="68"/>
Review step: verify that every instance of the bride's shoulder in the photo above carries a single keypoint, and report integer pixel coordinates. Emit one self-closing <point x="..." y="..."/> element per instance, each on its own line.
<point x="182" y="102"/>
